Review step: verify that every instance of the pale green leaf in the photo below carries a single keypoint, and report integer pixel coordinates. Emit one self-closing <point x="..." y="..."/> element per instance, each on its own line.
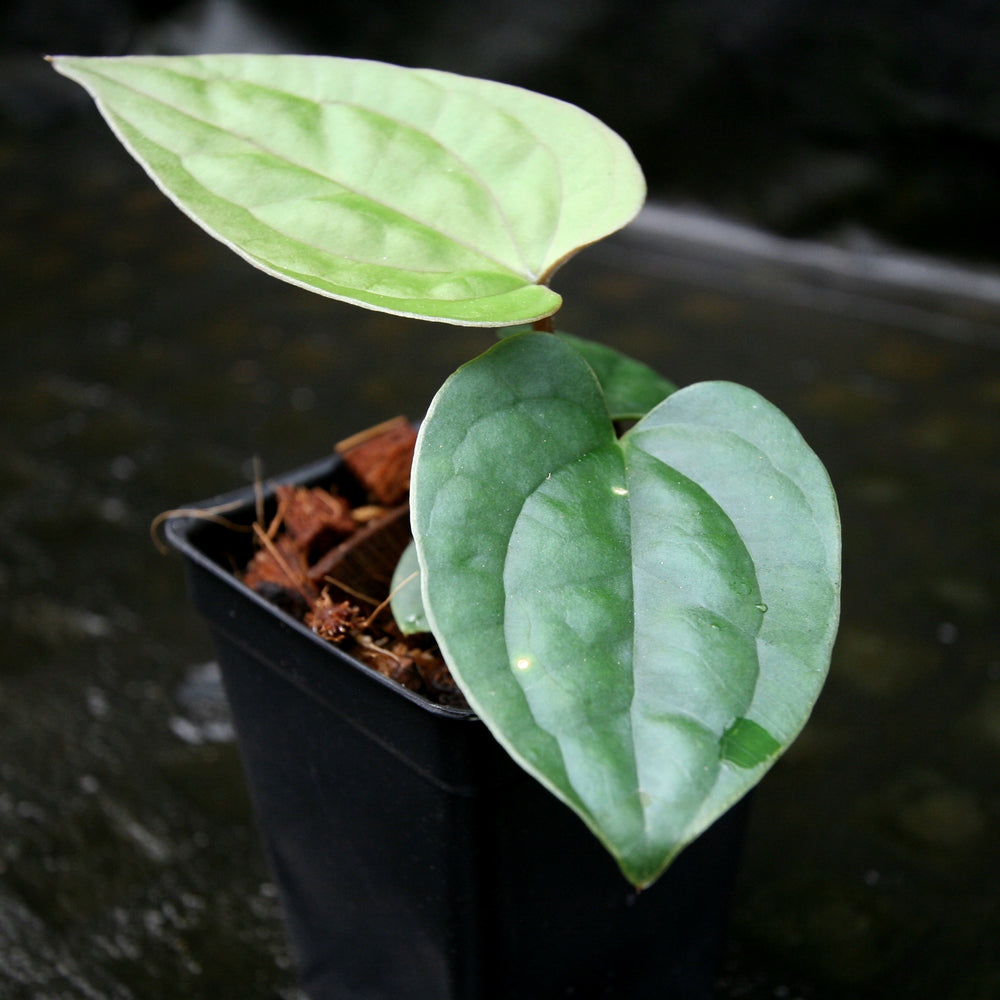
<point x="643" y="623"/>
<point x="415" y="192"/>
<point x="406" y="601"/>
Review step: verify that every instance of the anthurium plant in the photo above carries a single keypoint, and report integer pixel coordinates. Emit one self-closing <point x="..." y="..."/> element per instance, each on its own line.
<point x="643" y="619"/>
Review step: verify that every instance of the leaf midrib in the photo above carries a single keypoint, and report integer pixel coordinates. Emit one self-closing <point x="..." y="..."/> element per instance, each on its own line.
<point x="525" y="273"/>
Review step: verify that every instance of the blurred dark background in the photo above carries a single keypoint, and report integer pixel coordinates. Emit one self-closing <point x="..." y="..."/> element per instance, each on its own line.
<point x="146" y="366"/>
<point x="860" y="120"/>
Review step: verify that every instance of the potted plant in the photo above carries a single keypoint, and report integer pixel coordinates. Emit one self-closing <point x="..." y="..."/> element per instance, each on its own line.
<point x="634" y="587"/>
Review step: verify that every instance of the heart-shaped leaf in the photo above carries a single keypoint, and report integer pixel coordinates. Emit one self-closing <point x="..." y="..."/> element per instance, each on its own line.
<point x="630" y="389"/>
<point x="643" y="623"/>
<point x="415" y="192"/>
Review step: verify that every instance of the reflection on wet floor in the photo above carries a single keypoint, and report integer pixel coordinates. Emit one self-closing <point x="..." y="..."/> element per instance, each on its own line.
<point x="145" y="368"/>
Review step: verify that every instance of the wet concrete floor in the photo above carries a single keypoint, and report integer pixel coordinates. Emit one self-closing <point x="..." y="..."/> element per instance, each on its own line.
<point x="145" y="366"/>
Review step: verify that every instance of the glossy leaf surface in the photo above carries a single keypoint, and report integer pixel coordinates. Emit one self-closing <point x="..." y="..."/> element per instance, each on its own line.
<point x="643" y="623"/>
<point x="415" y="192"/>
<point x="630" y="389"/>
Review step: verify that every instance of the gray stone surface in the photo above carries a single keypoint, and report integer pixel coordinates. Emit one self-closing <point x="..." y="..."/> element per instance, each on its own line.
<point x="146" y="367"/>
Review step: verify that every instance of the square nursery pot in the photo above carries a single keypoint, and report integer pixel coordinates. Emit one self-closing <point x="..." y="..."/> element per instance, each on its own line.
<point x="414" y="859"/>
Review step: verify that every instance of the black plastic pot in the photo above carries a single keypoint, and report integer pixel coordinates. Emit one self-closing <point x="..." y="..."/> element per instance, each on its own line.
<point x="414" y="859"/>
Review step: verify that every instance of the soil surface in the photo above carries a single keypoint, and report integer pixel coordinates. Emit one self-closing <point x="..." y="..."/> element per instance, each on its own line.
<point x="327" y="558"/>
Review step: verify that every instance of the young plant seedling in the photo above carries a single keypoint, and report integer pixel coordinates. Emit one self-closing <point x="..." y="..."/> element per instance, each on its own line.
<point x="643" y="621"/>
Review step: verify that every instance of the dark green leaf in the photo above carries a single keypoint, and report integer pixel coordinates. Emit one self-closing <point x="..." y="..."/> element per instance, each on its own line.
<point x="631" y="388"/>
<point x="635" y="620"/>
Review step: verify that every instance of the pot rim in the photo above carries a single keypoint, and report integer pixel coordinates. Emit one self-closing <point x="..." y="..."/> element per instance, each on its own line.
<point x="180" y="529"/>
